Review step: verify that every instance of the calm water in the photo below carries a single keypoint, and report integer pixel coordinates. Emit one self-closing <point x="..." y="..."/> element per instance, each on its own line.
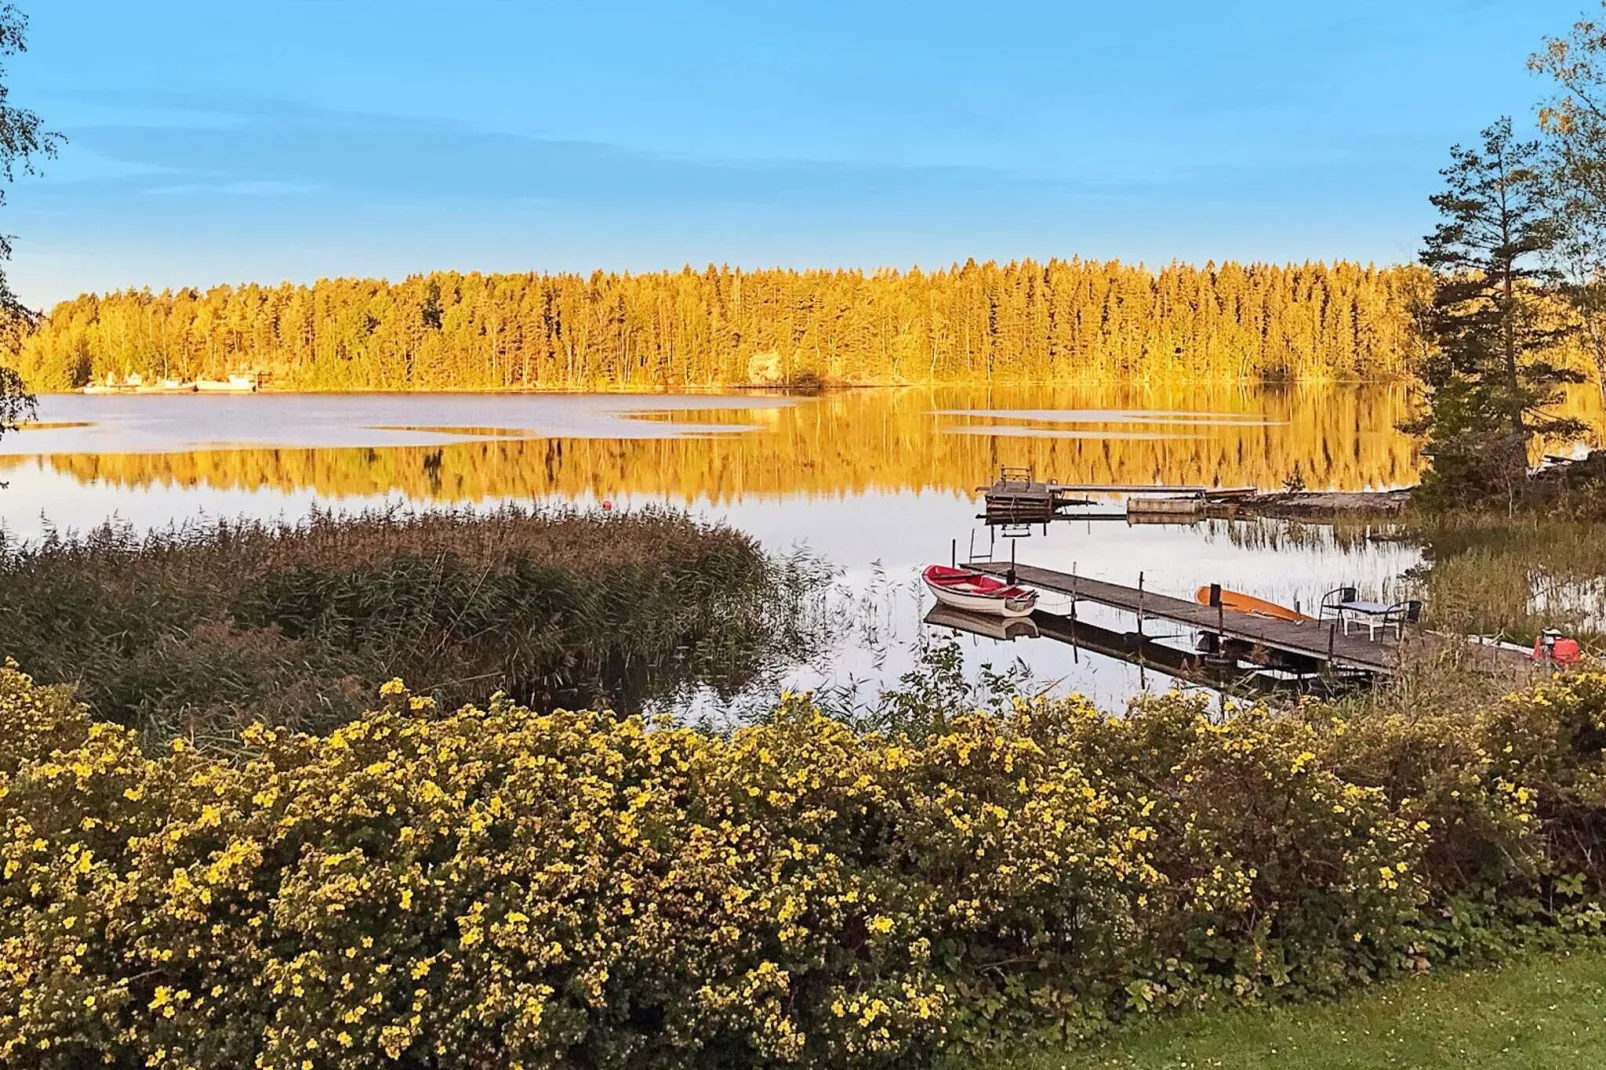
<point x="877" y="482"/>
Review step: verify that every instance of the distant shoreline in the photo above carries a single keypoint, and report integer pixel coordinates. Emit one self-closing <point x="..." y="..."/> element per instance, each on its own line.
<point x="770" y="390"/>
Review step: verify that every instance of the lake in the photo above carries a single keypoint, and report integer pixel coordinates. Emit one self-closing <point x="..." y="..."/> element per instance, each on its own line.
<point x="876" y="482"/>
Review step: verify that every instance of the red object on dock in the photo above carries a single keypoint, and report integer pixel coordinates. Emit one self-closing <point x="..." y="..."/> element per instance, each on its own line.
<point x="1564" y="652"/>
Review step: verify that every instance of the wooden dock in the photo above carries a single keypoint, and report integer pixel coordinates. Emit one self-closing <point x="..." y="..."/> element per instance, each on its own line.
<point x="1025" y="502"/>
<point x="1018" y="497"/>
<point x="1320" y="642"/>
<point x="1145" y="652"/>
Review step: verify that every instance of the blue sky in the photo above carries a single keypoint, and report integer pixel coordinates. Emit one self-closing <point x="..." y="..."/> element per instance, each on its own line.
<point x="220" y="141"/>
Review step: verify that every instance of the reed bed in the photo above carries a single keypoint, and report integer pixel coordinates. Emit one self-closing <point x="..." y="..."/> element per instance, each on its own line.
<point x="1508" y="576"/>
<point x="204" y="627"/>
<point x="1514" y="576"/>
<point x="1273" y="534"/>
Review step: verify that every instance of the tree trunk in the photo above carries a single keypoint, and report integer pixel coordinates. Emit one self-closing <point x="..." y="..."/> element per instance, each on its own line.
<point x="1597" y="350"/>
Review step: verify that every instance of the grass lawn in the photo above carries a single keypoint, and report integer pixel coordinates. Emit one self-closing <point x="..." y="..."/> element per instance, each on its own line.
<point x="1543" y="1012"/>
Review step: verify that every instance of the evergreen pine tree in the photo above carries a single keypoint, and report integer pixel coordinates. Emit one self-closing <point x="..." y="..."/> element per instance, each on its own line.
<point x="1490" y="386"/>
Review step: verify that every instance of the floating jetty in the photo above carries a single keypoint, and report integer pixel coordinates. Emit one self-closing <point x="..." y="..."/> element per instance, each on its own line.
<point x="1309" y="646"/>
<point x="1017" y="497"/>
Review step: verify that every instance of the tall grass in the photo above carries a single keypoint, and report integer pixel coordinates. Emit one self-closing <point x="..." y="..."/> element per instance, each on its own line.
<point x="201" y="628"/>
<point x="1514" y="576"/>
<point x="1344" y="533"/>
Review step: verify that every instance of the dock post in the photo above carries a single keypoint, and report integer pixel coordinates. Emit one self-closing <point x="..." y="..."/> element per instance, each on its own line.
<point x="1140" y="607"/>
<point x="953" y="553"/>
<point x="1332" y="640"/>
<point x="972" y="556"/>
<point x="1011" y="576"/>
<point x="1143" y="664"/>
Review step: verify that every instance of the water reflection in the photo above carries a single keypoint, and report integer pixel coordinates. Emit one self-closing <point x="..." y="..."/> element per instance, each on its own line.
<point x="1205" y="665"/>
<point x="1114" y="416"/>
<point x="878" y="482"/>
<point x="723" y="449"/>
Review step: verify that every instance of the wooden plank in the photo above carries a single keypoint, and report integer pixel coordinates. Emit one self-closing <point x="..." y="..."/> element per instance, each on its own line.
<point x="1171" y="507"/>
<point x="1312" y="639"/>
<point x="1019" y="503"/>
<point x="1123" y="488"/>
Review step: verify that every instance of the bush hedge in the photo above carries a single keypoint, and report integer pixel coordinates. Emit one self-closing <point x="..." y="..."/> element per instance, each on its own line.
<point x="507" y="888"/>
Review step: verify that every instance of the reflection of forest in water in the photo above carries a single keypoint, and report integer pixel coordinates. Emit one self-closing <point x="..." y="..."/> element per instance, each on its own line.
<point x="1342" y="437"/>
<point x="840" y="474"/>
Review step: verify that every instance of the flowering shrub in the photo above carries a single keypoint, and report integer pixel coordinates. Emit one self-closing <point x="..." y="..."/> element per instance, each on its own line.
<point x="506" y="888"/>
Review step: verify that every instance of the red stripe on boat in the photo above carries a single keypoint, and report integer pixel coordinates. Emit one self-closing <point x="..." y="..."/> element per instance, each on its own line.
<point x="976" y="583"/>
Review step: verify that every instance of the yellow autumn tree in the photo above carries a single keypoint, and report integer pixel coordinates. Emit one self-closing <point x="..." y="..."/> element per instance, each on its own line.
<point x="1063" y="321"/>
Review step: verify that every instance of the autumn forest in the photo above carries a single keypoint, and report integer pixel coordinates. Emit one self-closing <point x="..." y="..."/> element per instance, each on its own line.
<point x="1063" y="321"/>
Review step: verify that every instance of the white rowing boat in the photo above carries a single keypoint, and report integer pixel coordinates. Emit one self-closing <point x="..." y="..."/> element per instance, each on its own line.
<point x="976" y="592"/>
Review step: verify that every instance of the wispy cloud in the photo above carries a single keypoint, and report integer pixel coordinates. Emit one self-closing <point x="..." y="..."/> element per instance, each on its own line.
<point x="355" y="157"/>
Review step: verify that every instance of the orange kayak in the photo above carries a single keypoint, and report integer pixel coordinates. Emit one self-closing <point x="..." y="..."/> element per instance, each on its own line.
<point x="1239" y="602"/>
